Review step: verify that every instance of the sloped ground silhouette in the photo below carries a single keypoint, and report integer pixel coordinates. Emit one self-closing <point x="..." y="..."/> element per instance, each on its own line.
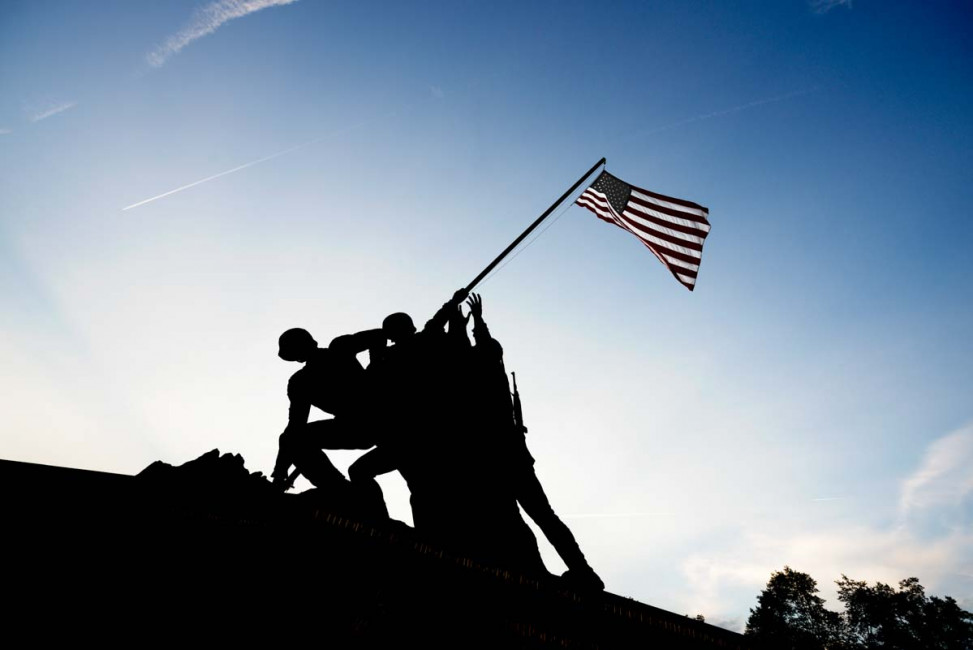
<point x="209" y="552"/>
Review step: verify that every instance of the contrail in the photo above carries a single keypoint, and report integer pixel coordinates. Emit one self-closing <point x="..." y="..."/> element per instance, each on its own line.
<point x="727" y="111"/>
<point x="224" y="173"/>
<point x="50" y="110"/>
<point x="250" y="164"/>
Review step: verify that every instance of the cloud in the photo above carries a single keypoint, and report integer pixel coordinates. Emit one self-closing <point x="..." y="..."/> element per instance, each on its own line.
<point x="938" y="489"/>
<point x="437" y="92"/>
<point x="35" y="115"/>
<point x="860" y="552"/>
<point x="824" y="6"/>
<point x="207" y="20"/>
<point x="5" y="131"/>
<point x="940" y="555"/>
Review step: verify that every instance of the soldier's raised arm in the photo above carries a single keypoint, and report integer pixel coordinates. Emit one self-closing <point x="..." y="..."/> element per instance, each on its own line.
<point x="438" y="321"/>
<point x="481" y="333"/>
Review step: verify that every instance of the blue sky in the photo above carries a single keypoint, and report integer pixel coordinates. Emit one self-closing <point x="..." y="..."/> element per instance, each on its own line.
<point x="807" y="405"/>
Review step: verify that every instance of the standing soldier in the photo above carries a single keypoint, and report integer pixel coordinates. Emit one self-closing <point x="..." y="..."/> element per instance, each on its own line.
<point x="512" y="454"/>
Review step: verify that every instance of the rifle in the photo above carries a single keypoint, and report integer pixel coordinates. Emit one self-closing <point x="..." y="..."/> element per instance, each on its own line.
<point x="518" y="409"/>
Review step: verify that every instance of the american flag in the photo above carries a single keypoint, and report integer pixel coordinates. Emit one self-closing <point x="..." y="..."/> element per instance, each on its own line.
<point x="672" y="229"/>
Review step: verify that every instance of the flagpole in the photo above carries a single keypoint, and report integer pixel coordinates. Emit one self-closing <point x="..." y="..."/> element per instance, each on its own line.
<point x="530" y="228"/>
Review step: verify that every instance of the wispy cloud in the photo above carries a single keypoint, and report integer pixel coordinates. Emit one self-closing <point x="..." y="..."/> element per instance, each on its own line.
<point x="727" y="111"/>
<point x="932" y="540"/>
<point x="36" y="115"/>
<point x="824" y="6"/>
<point x="945" y="476"/>
<point x="5" y="131"/>
<point x="861" y="552"/>
<point x="207" y="20"/>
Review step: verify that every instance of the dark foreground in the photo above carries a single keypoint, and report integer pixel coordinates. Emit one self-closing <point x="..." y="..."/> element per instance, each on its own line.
<point x="211" y="553"/>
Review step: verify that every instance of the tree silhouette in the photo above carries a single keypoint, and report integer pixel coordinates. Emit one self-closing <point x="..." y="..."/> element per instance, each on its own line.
<point x="790" y="616"/>
<point x="905" y="619"/>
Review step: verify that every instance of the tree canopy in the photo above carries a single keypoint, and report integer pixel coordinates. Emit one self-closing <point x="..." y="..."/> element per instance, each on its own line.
<point x="791" y="616"/>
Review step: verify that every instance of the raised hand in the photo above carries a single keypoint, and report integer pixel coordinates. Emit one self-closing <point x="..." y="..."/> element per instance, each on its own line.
<point x="475" y="303"/>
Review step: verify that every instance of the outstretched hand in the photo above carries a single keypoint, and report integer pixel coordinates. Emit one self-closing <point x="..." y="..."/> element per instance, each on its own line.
<point x="475" y="303"/>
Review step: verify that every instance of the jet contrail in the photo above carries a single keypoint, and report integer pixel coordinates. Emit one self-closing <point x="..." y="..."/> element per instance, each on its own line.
<point x="251" y="163"/>
<point x="224" y="173"/>
<point x="727" y="111"/>
<point x="50" y="110"/>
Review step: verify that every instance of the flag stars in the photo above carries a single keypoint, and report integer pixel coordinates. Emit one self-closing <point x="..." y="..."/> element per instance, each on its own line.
<point x="616" y="191"/>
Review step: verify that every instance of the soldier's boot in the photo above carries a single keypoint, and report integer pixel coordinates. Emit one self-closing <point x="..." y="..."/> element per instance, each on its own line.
<point x="583" y="579"/>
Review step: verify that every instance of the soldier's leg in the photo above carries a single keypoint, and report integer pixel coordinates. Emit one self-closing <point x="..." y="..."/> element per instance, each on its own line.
<point x="304" y="451"/>
<point x="363" y="471"/>
<point x="339" y="433"/>
<point x="304" y="447"/>
<point x="376" y="462"/>
<point x="531" y="496"/>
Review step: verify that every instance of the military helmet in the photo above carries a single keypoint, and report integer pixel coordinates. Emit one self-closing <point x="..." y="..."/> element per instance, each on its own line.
<point x="296" y="344"/>
<point x="398" y="325"/>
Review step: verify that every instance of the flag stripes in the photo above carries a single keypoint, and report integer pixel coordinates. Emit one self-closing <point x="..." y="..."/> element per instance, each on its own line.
<point x="673" y="229"/>
<point x="678" y="205"/>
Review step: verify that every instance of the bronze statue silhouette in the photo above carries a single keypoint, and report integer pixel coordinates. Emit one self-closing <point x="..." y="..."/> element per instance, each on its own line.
<point x="457" y="496"/>
<point x="408" y="379"/>
<point x="334" y="381"/>
<point x="439" y="410"/>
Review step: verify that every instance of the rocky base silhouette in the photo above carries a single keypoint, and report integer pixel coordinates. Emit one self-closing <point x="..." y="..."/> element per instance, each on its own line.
<point x="208" y="551"/>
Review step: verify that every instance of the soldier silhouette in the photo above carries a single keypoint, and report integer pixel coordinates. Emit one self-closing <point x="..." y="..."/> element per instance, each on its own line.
<point x="448" y="441"/>
<point x="409" y="377"/>
<point x="505" y="439"/>
<point x="334" y="381"/>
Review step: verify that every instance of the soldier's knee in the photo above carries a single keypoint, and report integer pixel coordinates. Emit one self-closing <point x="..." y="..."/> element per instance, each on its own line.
<point x="358" y="472"/>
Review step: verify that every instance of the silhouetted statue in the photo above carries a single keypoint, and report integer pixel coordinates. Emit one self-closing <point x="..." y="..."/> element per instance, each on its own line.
<point x="514" y="463"/>
<point x="445" y="441"/>
<point x="334" y="381"/>
<point x="446" y="423"/>
<point x="409" y="378"/>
